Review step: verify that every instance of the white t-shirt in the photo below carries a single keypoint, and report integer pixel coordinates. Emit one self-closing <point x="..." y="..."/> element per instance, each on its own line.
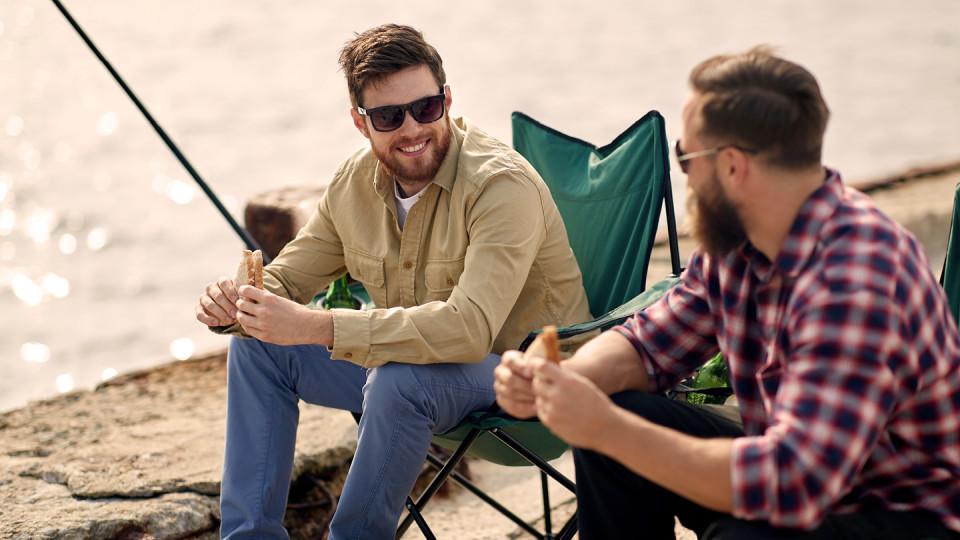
<point x="404" y="205"/>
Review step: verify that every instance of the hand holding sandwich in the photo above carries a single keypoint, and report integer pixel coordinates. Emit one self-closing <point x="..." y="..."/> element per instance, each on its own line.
<point x="275" y="319"/>
<point x="513" y="378"/>
<point x="261" y="314"/>
<point x="536" y="384"/>
<point x="572" y="406"/>
<point x="218" y="303"/>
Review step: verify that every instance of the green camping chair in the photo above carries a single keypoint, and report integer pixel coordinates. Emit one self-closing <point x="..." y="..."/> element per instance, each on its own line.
<point x="610" y="199"/>
<point x="950" y="275"/>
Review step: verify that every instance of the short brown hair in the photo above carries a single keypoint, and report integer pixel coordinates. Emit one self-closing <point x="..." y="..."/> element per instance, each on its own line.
<point x="763" y="102"/>
<point x="372" y="55"/>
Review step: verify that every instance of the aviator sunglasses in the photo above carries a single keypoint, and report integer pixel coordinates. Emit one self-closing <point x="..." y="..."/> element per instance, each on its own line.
<point x="390" y="117"/>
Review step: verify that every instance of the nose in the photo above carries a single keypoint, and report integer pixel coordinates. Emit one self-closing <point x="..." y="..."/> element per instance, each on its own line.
<point x="409" y="125"/>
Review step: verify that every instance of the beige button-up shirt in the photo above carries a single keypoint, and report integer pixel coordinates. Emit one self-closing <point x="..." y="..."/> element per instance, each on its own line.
<point x="482" y="259"/>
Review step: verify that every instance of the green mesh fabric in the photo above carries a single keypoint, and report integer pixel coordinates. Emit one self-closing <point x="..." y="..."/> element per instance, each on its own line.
<point x="610" y="199"/>
<point x="533" y="435"/>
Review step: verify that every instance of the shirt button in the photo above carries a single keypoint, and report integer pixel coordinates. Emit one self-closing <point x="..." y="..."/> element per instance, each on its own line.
<point x="407" y="265"/>
<point x="348" y="355"/>
<point x="450" y="282"/>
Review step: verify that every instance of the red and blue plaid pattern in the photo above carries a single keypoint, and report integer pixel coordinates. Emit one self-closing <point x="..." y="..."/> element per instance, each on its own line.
<point x="844" y="359"/>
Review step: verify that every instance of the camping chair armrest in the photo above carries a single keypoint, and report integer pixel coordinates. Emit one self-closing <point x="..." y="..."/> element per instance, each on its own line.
<point x="614" y="316"/>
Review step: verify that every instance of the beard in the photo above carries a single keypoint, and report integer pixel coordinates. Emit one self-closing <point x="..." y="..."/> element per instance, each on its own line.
<point x="716" y="226"/>
<point x="413" y="171"/>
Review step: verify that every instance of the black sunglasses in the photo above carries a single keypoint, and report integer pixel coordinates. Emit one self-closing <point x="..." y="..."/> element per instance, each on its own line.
<point x="683" y="159"/>
<point x="390" y="117"/>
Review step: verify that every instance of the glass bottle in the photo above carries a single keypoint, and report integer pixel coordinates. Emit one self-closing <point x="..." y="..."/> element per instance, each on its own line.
<point x="713" y="374"/>
<point x="339" y="295"/>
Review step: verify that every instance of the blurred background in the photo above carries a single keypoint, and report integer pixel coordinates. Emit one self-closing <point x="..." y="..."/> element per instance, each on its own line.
<point x="105" y="242"/>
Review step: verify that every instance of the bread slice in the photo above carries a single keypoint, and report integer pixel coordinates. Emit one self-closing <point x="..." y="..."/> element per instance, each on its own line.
<point x="545" y="346"/>
<point x="250" y="271"/>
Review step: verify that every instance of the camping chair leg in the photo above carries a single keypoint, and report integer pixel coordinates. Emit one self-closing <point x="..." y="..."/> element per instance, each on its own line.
<point x="671" y="227"/>
<point x="570" y="529"/>
<point x="421" y="523"/>
<point x="438" y="480"/>
<point x="534" y="459"/>
<point x="469" y="486"/>
<point x="547" y="533"/>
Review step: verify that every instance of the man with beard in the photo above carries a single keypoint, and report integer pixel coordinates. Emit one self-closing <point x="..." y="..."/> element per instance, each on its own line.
<point x="841" y="350"/>
<point x="459" y="244"/>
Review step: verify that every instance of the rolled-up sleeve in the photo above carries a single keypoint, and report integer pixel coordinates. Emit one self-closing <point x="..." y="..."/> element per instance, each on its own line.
<point x="506" y="228"/>
<point x="831" y="405"/>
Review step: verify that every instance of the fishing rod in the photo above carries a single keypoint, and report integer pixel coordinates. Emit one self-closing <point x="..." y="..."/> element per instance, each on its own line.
<point x="244" y="235"/>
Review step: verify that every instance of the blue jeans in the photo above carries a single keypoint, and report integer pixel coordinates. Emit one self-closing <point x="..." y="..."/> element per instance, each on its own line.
<point x="403" y="405"/>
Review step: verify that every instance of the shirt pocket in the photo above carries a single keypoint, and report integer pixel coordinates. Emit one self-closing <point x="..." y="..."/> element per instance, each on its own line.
<point x="368" y="270"/>
<point x="440" y="277"/>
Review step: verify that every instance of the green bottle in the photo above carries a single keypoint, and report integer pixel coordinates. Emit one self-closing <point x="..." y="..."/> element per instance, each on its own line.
<point x="339" y="295"/>
<point x="713" y="374"/>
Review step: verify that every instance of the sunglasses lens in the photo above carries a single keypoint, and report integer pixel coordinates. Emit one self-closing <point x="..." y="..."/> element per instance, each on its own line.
<point x="387" y="118"/>
<point x="428" y="109"/>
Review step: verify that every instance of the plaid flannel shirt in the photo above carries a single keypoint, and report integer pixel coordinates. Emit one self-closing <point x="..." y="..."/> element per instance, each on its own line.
<point x="844" y="359"/>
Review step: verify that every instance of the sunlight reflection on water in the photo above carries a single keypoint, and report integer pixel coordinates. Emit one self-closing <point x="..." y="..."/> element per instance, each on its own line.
<point x="56" y="286"/>
<point x="14" y="126"/>
<point x="97" y="238"/>
<point x="34" y="353"/>
<point x="181" y="348"/>
<point x="107" y="124"/>
<point x="26" y="290"/>
<point x="67" y="244"/>
<point x="64" y="382"/>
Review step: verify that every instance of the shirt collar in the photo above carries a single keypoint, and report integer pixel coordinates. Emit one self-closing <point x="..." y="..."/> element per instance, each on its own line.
<point x="803" y="238"/>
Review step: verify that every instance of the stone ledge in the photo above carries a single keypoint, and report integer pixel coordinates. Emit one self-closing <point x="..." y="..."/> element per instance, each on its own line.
<point x="140" y="456"/>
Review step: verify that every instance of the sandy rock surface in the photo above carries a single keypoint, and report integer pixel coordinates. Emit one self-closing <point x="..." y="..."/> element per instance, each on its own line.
<point x="138" y="457"/>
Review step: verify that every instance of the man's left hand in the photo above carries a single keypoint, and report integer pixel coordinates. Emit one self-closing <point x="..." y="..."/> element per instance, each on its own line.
<point x="571" y="406"/>
<point x="275" y="319"/>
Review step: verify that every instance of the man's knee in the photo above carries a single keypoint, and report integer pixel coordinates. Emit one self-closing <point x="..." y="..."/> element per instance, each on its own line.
<point x="653" y="407"/>
<point x="245" y="354"/>
<point x="394" y="385"/>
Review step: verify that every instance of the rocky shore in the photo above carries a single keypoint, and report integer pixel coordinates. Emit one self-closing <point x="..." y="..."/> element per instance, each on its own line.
<point x="140" y="456"/>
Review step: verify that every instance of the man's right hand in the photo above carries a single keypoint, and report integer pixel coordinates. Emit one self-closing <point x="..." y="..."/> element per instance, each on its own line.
<point x="513" y="383"/>
<point x="218" y="303"/>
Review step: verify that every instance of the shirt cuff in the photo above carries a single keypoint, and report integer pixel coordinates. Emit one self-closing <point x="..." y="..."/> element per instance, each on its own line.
<point x="752" y="476"/>
<point x="351" y="335"/>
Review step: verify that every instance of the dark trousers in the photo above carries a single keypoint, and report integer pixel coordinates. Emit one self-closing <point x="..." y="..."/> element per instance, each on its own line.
<point x="617" y="503"/>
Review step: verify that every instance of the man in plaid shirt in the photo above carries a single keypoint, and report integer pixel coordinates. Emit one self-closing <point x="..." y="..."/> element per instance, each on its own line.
<point x="842" y="353"/>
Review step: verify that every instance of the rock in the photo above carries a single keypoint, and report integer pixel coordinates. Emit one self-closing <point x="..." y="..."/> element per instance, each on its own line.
<point x="274" y="217"/>
<point x="141" y="456"/>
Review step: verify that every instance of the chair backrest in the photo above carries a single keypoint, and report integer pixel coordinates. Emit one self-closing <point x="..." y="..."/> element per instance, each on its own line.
<point x="950" y="276"/>
<point x="610" y="199"/>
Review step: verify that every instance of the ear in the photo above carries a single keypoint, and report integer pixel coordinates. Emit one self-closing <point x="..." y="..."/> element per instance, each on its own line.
<point x="359" y="122"/>
<point x="448" y="97"/>
<point x="733" y="167"/>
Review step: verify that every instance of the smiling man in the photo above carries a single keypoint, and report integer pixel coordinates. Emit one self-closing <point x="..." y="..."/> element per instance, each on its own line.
<point x="463" y="252"/>
<point x="842" y="351"/>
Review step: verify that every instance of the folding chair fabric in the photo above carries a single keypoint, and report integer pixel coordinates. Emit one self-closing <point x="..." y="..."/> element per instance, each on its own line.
<point x="610" y="198"/>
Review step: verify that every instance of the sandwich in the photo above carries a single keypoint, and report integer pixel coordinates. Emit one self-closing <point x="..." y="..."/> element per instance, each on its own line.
<point x="545" y="346"/>
<point x="250" y="271"/>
